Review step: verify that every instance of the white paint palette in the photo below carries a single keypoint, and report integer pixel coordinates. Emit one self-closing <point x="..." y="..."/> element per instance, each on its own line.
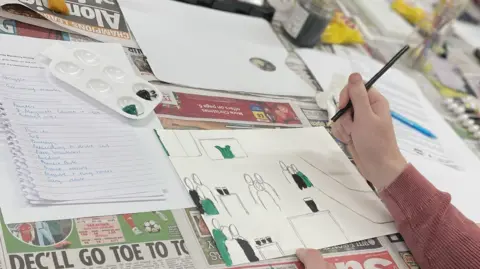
<point x="98" y="76"/>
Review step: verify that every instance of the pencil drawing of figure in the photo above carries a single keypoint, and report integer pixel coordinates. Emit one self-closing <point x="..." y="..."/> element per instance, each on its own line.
<point x="243" y="244"/>
<point x="194" y="194"/>
<point x="285" y="171"/>
<point x="197" y="192"/>
<point x="251" y="188"/>
<point x="202" y="189"/>
<point x="304" y="178"/>
<point x="298" y="180"/>
<point x="265" y="197"/>
<point x="267" y="186"/>
<point x="220" y="239"/>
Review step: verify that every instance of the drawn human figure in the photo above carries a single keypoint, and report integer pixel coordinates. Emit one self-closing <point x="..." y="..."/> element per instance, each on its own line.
<point x="305" y="179"/>
<point x="236" y="252"/>
<point x="265" y="197"/>
<point x="220" y="238"/>
<point x="243" y="243"/>
<point x="298" y="180"/>
<point x="285" y="171"/>
<point x="43" y="233"/>
<point x="226" y="152"/>
<point x="267" y="186"/>
<point x="206" y="196"/>
<point x="202" y="189"/>
<point x="194" y="194"/>
<point x="251" y="188"/>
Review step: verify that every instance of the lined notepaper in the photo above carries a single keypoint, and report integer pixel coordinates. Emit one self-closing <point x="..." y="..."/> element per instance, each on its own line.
<point x="73" y="150"/>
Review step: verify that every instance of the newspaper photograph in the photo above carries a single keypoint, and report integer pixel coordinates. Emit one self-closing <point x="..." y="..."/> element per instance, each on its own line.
<point x="101" y="20"/>
<point x="139" y="61"/>
<point x="137" y="240"/>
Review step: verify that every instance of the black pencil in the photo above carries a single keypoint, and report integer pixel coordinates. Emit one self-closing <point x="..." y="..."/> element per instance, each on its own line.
<point x="370" y="83"/>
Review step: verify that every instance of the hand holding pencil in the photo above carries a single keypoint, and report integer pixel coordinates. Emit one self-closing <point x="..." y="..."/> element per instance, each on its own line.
<point x="370" y="137"/>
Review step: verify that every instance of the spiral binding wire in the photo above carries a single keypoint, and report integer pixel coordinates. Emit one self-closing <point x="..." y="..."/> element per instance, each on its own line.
<point x="20" y="163"/>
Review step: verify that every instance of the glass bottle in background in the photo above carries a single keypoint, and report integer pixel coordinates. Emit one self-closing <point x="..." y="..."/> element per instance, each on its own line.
<point x="308" y="20"/>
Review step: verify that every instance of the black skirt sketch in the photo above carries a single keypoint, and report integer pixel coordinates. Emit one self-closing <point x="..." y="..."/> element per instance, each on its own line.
<point x="248" y="250"/>
<point x="243" y="243"/>
<point x="196" y="200"/>
<point x="311" y="204"/>
<point x="299" y="181"/>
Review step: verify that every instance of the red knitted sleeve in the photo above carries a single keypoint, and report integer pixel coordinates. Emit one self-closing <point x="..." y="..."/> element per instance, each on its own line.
<point x="438" y="235"/>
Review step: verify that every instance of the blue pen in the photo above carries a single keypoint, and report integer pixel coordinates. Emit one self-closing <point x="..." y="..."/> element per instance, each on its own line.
<point x="412" y="124"/>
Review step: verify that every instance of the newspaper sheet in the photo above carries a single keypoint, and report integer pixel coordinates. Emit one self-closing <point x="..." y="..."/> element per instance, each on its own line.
<point x="101" y="20"/>
<point x="12" y="27"/>
<point x="139" y="240"/>
<point x="365" y="254"/>
<point x="188" y="104"/>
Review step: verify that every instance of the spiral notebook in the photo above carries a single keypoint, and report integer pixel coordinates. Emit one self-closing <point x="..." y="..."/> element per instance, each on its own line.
<point x="69" y="157"/>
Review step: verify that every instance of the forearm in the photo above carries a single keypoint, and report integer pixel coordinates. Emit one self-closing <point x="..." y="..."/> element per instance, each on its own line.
<point x="438" y="235"/>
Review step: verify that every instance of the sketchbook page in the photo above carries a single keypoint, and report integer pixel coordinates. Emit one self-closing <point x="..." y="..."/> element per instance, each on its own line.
<point x="115" y="162"/>
<point x="231" y="52"/>
<point x="297" y="179"/>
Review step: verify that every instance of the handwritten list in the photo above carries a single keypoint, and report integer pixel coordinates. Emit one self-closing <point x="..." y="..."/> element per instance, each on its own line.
<point x="67" y="149"/>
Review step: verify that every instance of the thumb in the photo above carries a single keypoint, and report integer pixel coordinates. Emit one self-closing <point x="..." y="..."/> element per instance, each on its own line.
<point x="312" y="259"/>
<point x="358" y="94"/>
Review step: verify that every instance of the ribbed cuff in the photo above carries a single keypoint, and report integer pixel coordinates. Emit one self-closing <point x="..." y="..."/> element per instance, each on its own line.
<point x="408" y="194"/>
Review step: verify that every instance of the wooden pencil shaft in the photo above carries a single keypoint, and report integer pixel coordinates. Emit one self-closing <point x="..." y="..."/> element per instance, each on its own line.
<point x="370" y="83"/>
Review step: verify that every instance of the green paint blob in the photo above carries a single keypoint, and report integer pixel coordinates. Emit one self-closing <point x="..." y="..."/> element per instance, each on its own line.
<point x="226" y="152"/>
<point x="305" y="179"/>
<point x="131" y="109"/>
<point x="209" y="207"/>
<point x="220" y="239"/>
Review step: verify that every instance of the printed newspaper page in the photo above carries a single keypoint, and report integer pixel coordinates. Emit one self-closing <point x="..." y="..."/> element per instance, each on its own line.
<point x="101" y="20"/>
<point x="365" y="254"/>
<point x="149" y="240"/>
<point x="190" y="104"/>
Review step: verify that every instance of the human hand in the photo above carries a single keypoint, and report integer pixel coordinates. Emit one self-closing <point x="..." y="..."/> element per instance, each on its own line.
<point x="312" y="259"/>
<point x="368" y="133"/>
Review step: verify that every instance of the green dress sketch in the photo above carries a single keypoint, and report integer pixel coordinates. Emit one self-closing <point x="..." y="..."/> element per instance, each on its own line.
<point x="220" y="239"/>
<point x="209" y="207"/>
<point x="305" y="179"/>
<point x="226" y="152"/>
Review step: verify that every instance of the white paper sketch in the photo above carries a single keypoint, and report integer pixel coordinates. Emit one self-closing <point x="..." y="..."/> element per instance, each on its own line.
<point x="291" y="194"/>
<point x="286" y="173"/>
